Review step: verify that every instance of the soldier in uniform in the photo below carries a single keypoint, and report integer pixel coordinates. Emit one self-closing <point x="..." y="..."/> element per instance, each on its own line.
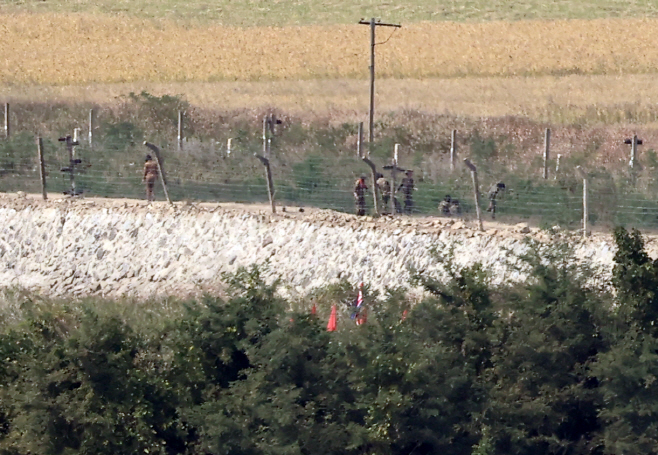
<point x="360" y="189"/>
<point x="455" y="207"/>
<point x="385" y="190"/>
<point x="450" y="206"/>
<point x="445" y="204"/>
<point x="150" y="176"/>
<point x="494" y="191"/>
<point x="407" y="187"/>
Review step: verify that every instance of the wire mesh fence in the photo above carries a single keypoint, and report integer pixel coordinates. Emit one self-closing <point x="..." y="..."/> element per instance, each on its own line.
<point x="314" y="166"/>
<point x="241" y="178"/>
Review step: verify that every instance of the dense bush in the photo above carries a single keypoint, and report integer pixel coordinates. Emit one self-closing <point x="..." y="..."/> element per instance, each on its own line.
<point x="551" y="366"/>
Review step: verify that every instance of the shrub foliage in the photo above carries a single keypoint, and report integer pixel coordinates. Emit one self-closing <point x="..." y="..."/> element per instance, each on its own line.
<point x="552" y="365"/>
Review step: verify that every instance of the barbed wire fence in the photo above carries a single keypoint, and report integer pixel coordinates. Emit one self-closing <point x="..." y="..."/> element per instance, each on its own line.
<point x="228" y="172"/>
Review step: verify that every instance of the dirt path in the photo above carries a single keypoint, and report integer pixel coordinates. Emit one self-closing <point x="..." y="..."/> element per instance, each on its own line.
<point x="421" y="224"/>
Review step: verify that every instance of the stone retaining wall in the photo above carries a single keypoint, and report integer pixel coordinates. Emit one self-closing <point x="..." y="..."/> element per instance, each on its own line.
<point x="85" y="247"/>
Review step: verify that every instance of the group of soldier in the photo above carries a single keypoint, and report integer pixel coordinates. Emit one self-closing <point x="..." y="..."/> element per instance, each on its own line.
<point x="406" y="187"/>
<point x="449" y="206"/>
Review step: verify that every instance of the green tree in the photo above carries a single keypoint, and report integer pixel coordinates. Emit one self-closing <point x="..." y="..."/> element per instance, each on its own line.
<point x="543" y="397"/>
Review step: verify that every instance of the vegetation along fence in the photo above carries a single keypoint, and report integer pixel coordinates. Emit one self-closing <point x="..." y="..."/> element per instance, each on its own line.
<point x="215" y="158"/>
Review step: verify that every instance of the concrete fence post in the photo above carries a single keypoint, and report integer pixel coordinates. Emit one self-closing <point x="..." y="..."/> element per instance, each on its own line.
<point x="476" y="191"/>
<point x="42" y="168"/>
<point x="181" y="133"/>
<point x="547" y="146"/>
<point x="453" y="149"/>
<point x="7" y="122"/>
<point x="91" y="128"/>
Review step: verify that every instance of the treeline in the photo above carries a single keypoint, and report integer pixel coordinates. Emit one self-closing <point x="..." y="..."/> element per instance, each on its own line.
<point x="556" y="365"/>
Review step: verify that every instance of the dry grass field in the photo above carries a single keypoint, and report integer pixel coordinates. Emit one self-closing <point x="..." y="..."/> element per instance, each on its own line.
<point x="562" y="100"/>
<point x="83" y="49"/>
<point x="558" y="71"/>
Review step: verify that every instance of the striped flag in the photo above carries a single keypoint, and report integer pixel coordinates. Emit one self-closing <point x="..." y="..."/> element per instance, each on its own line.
<point x="359" y="298"/>
<point x="358" y="307"/>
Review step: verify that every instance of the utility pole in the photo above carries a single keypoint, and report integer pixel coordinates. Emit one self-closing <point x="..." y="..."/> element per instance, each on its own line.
<point x="372" y="23"/>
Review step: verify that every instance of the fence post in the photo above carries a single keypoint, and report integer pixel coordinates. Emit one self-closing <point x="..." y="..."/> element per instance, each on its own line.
<point x="265" y="144"/>
<point x="163" y="177"/>
<point x="633" y="151"/>
<point x="91" y="128"/>
<point x="180" y="130"/>
<point x="270" y="181"/>
<point x="7" y="122"/>
<point x="70" y="144"/>
<point x="394" y="174"/>
<point x="585" y="208"/>
<point x="557" y="165"/>
<point x="42" y="168"/>
<point x="547" y="146"/>
<point x="76" y="139"/>
<point x="453" y="149"/>
<point x="359" y="142"/>
<point x="476" y="190"/>
<point x="229" y="146"/>
<point x="583" y="174"/>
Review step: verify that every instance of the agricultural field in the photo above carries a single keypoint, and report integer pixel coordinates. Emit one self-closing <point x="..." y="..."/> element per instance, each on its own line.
<point x="551" y="61"/>
<point x="500" y="72"/>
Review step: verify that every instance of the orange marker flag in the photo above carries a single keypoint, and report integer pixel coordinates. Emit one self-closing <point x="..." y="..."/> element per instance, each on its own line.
<point x="331" y="326"/>
<point x="362" y="318"/>
<point x="314" y="310"/>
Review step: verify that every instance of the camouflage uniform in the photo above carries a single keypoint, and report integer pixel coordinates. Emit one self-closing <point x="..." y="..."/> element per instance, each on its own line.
<point x="455" y="207"/>
<point x="494" y="191"/>
<point x="445" y="204"/>
<point x="150" y="176"/>
<point x="385" y="190"/>
<point x="360" y="189"/>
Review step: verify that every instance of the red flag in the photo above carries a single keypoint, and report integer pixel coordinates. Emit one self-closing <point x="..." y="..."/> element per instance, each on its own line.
<point x="331" y="326"/>
<point x="314" y="311"/>
<point x="404" y="315"/>
<point x="362" y="318"/>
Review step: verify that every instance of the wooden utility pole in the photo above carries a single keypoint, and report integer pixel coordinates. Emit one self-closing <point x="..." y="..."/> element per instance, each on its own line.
<point x="181" y="114"/>
<point x="42" y="168"/>
<point x="476" y="190"/>
<point x="373" y="24"/>
<point x="453" y="149"/>
<point x="7" y="123"/>
<point x="547" y="146"/>
<point x="159" y="162"/>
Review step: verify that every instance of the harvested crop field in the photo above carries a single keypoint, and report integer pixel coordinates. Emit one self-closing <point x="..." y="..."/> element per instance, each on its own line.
<point x="562" y="100"/>
<point x="82" y="49"/>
